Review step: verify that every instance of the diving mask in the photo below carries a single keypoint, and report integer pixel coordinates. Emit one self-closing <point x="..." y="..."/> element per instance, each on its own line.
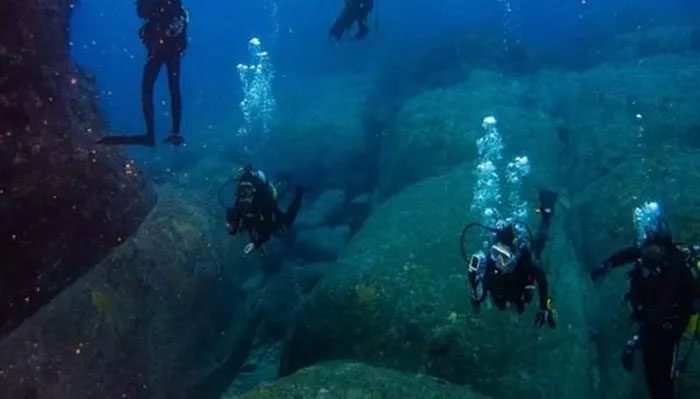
<point x="503" y="257"/>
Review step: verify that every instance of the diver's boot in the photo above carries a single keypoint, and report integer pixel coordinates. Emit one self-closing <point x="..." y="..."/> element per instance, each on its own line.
<point x="144" y="140"/>
<point x="548" y="199"/>
<point x="175" y="139"/>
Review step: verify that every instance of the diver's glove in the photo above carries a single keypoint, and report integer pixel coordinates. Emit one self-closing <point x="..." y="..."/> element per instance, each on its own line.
<point x="600" y="271"/>
<point x="248" y="249"/>
<point x="546" y="316"/>
<point x="628" y="353"/>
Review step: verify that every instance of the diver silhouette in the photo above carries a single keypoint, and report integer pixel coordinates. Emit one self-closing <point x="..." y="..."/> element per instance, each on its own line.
<point x="165" y="36"/>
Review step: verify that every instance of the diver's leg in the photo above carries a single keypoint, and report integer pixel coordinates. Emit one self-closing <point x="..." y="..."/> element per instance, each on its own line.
<point x="341" y="24"/>
<point x="541" y="236"/>
<point x="548" y="199"/>
<point x="658" y="352"/>
<point x="362" y="28"/>
<point x="499" y="302"/>
<point x="173" y="66"/>
<point x="150" y="74"/>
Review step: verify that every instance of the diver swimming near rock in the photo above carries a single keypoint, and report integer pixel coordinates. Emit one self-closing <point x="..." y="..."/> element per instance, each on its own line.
<point x="165" y="36"/>
<point x="663" y="295"/>
<point x="353" y="11"/>
<point x="256" y="208"/>
<point x="510" y="269"/>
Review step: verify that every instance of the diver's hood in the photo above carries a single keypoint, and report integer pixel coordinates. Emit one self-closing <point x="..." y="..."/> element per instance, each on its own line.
<point x="506" y="235"/>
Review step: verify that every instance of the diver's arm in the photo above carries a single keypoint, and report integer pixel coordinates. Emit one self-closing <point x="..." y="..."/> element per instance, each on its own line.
<point x="542" y="236"/>
<point x="620" y="258"/>
<point x="546" y="315"/>
<point x="623" y="257"/>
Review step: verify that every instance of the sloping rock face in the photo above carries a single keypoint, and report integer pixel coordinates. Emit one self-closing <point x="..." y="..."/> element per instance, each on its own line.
<point x="398" y="298"/>
<point x="357" y="380"/>
<point x="64" y="202"/>
<point x="148" y="321"/>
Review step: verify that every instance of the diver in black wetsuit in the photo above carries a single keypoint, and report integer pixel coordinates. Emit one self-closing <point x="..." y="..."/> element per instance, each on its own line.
<point x="256" y="210"/>
<point x="509" y="272"/>
<point x="354" y="11"/>
<point x="165" y="36"/>
<point x="661" y="294"/>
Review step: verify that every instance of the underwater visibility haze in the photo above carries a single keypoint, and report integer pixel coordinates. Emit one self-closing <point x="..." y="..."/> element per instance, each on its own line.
<point x="473" y="199"/>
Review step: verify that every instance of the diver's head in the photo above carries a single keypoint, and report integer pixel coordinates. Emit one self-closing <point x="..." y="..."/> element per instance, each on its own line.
<point x="652" y="228"/>
<point x="506" y="235"/>
<point x="650" y="225"/>
<point x="503" y="250"/>
<point x="245" y="189"/>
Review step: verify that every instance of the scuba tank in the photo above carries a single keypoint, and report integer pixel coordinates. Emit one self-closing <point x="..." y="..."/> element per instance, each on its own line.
<point x="145" y="8"/>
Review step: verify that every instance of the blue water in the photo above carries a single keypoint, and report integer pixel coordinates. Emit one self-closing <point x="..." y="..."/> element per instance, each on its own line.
<point x="105" y="42"/>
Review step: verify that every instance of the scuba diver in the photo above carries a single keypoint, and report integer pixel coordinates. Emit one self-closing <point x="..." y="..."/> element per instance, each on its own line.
<point x="663" y="289"/>
<point x="510" y="269"/>
<point x="354" y="11"/>
<point x="165" y="36"/>
<point x="256" y="211"/>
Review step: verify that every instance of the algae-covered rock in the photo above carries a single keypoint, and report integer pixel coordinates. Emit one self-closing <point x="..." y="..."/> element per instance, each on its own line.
<point x="143" y="323"/>
<point x="398" y="298"/>
<point x="437" y="130"/>
<point x="65" y="201"/>
<point x="356" y="380"/>
<point x="578" y="125"/>
<point x="322" y="244"/>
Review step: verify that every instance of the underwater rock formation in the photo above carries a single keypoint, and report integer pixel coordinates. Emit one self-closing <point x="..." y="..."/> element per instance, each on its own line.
<point x="437" y="130"/>
<point x="584" y="122"/>
<point x="320" y="212"/>
<point x="357" y="380"/>
<point x="64" y="201"/>
<point x="146" y="322"/>
<point x="322" y="244"/>
<point x="398" y="297"/>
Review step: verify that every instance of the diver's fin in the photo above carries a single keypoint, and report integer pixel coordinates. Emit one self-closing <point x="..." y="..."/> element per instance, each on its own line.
<point x="548" y="199"/>
<point x="144" y="140"/>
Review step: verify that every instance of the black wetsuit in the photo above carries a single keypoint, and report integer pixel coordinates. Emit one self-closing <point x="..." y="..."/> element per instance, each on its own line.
<point x="661" y="295"/>
<point x="518" y="285"/>
<point x="354" y="11"/>
<point x="165" y="36"/>
<point x="260" y="215"/>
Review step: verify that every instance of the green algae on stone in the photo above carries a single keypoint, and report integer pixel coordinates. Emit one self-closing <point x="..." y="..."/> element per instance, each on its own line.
<point x="352" y="380"/>
<point x="408" y="250"/>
